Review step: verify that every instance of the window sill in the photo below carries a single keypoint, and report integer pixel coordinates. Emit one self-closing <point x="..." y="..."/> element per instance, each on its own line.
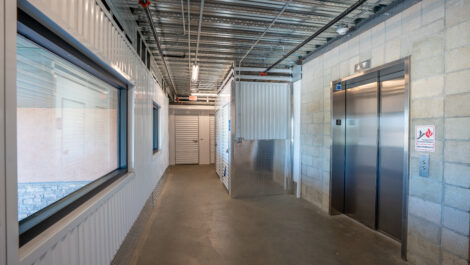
<point x="50" y="236"/>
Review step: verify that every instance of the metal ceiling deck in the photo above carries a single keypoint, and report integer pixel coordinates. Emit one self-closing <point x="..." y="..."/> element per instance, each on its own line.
<point x="230" y="27"/>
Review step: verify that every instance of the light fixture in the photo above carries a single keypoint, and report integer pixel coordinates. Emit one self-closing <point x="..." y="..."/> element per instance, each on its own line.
<point x="195" y="74"/>
<point x="342" y="29"/>
<point x="204" y="94"/>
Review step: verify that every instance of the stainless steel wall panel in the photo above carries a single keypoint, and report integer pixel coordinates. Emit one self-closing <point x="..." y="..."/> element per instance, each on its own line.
<point x="258" y="167"/>
<point x="361" y="150"/>
<point x="391" y="153"/>
<point x="338" y="125"/>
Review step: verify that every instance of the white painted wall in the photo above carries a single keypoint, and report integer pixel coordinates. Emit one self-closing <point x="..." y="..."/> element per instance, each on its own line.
<point x="93" y="232"/>
<point x="8" y="185"/>
<point x="204" y="144"/>
<point x="2" y="136"/>
<point x="171" y="125"/>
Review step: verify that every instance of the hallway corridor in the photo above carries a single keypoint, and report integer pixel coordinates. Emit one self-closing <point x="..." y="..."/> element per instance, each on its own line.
<point x="196" y="222"/>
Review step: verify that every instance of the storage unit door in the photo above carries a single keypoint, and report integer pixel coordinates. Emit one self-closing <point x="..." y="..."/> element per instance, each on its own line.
<point x="186" y="140"/>
<point x="361" y="149"/>
<point x="391" y="153"/>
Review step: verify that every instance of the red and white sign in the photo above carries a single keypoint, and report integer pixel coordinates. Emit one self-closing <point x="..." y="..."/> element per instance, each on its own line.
<point x="425" y="138"/>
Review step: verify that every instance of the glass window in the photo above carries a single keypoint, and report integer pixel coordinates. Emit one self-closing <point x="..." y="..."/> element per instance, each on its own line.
<point x="67" y="128"/>
<point x="156" y="120"/>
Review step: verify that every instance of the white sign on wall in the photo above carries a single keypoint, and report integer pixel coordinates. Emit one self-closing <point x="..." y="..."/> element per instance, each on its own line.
<point x="425" y="138"/>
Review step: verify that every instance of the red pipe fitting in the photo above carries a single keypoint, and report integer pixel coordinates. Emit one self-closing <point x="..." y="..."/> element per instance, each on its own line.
<point x="144" y="3"/>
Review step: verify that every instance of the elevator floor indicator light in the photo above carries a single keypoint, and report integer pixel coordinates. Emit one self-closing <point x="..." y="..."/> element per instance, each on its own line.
<point x="338" y="86"/>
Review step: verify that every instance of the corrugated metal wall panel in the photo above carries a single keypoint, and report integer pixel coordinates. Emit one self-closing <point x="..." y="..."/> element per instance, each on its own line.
<point x="263" y="110"/>
<point x="94" y="231"/>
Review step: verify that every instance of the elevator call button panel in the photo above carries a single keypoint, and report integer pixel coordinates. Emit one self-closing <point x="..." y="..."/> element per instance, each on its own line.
<point x="424" y="165"/>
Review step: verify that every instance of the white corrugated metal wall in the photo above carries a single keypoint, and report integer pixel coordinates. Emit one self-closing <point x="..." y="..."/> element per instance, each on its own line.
<point x="94" y="231"/>
<point x="263" y="110"/>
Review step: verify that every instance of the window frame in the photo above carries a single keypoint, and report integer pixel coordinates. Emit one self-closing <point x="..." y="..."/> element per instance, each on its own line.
<point x="31" y="29"/>
<point x="155" y="127"/>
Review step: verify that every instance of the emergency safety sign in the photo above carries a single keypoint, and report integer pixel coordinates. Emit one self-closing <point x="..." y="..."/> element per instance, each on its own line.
<point x="425" y="138"/>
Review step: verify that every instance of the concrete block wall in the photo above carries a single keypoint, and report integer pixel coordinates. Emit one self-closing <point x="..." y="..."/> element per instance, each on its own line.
<point x="34" y="196"/>
<point x="436" y="34"/>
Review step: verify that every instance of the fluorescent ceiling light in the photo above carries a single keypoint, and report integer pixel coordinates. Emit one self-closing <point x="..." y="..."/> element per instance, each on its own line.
<point x="204" y="94"/>
<point x="195" y="74"/>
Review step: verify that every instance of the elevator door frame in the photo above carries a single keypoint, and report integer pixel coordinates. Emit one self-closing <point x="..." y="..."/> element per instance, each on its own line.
<point x="405" y="194"/>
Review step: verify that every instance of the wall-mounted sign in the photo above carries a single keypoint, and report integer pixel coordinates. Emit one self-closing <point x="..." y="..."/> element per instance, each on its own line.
<point x="359" y="67"/>
<point x="425" y="138"/>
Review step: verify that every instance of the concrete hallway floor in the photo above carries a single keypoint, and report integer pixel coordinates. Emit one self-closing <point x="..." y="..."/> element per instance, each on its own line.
<point x="196" y="222"/>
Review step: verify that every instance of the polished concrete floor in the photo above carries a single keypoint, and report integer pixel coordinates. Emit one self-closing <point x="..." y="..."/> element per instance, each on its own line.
<point x="196" y="222"/>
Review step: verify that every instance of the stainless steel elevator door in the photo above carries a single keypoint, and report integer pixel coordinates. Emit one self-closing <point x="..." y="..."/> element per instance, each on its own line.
<point x="338" y="125"/>
<point x="391" y="154"/>
<point x="361" y="149"/>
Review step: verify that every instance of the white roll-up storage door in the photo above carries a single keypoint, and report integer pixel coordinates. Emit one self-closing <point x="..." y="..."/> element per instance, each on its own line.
<point x="187" y="139"/>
